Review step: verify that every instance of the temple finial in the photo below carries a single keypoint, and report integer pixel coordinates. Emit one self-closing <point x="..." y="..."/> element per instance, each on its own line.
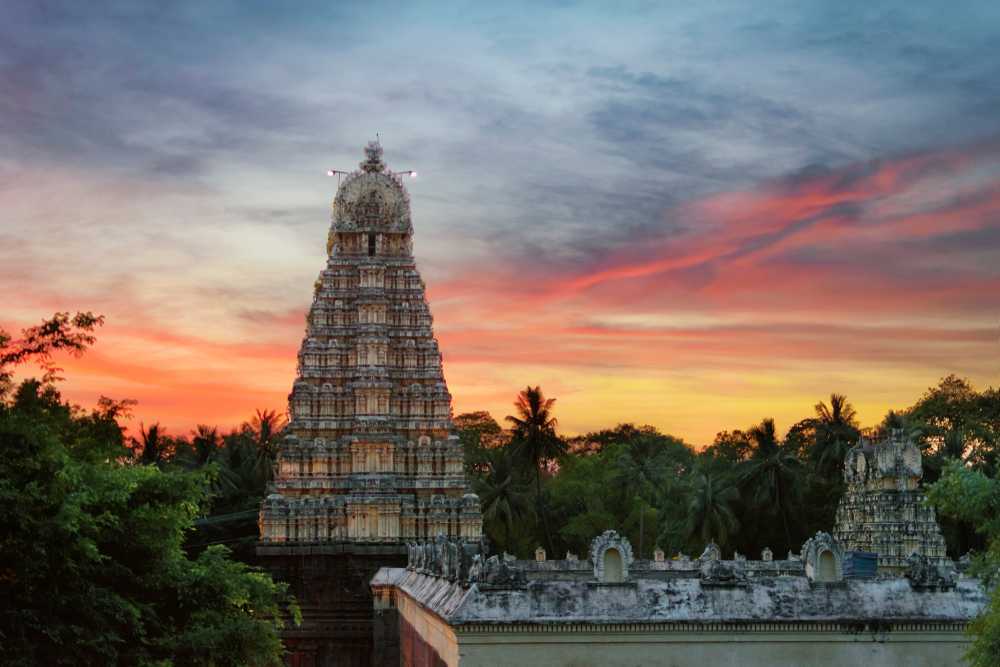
<point x="373" y="160"/>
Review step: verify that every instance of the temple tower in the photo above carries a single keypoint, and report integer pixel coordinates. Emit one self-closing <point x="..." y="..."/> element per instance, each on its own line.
<point x="370" y="460"/>
<point x="883" y="510"/>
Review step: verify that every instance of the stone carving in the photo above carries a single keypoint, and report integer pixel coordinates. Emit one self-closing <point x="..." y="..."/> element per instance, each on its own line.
<point x="711" y="552"/>
<point x="658" y="555"/>
<point x="476" y="569"/>
<point x="715" y="572"/>
<point x="767" y="555"/>
<point x="370" y="412"/>
<point x="824" y="559"/>
<point x="501" y="572"/>
<point x="928" y="574"/>
<point x="540" y="554"/>
<point x="738" y="557"/>
<point x="610" y="549"/>
<point x="882" y="510"/>
<point x="450" y="559"/>
<point x="572" y="557"/>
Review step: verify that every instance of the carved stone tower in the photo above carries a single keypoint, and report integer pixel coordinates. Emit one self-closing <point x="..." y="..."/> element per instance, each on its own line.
<point x="883" y="510"/>
<point x="371" y="459"/>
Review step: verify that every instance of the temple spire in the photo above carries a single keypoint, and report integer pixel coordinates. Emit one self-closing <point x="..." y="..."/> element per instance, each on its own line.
<point x="373" y="158"/>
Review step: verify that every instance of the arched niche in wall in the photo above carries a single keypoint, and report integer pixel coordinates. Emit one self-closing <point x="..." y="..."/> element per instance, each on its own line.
<point x="611" y="556"/>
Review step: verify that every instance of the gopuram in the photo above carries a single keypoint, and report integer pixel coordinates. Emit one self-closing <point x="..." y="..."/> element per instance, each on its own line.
<point x="882" y="510"/>
<point x="370" y="460"/>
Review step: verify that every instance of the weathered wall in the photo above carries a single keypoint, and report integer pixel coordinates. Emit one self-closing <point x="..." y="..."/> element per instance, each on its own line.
<point x="424" y="639"/>
<point x="753" y="649"/>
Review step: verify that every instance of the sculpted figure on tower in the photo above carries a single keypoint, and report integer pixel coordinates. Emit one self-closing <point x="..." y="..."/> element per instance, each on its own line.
<point x="371" y="455"/>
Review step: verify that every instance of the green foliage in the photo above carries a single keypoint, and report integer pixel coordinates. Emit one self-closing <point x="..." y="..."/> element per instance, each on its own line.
<point x="973" y="497"/>
<point x="480" y="434"/>
<point x="710" y="509"/>
<point x="93" y="568"/>
<point x="534" y="441"/>
<point x="748" y="490"/>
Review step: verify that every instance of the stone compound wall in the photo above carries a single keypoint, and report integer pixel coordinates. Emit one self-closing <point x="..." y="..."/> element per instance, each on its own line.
<point x="455" y="607"/>
<point x="725" y="646"/>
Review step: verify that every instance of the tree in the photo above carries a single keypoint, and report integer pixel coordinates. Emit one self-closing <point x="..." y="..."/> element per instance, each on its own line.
<point x="92" y="565"/>
<point x="835" y="431"/>
<point x="770" y="476"/>
<point x="151" y="447"/>
<point x="479" y="434"/>
<point x="646" y="463"/>
<point x="970" y="496"/>
<point x="535" y="440"/>
<point x="710" y="511"/>
<point x="205" y="443"/>
<point x="62" y="333"/>
<point x="265" y="429"/>
<point x="503" y="497"/>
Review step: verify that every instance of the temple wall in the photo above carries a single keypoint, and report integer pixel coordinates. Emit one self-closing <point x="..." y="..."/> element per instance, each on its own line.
<point x="711" y="649"/>
<point x="424" y="639"/>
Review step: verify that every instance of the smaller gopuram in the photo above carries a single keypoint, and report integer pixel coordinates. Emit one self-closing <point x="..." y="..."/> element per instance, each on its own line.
<point x="883" y="509"/>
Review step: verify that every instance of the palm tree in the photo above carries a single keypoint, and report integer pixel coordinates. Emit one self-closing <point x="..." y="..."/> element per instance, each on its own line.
<point x="503" y="499"/>
<point x="836" y="431"/>
<point x="205" y="442"/>
<point x="710" y="512"/>
<point x="265" y="429"/>
<point x="771" y="474"/>
<point x="638" y="472"/>
<point x="242" y="480"/>
<point x="151" y="445"/>
<point x="535" y="440"/>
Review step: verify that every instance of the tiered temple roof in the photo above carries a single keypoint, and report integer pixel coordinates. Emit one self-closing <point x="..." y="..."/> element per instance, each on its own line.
<point x="883" y="509"/>
<point x="371" y="456"/>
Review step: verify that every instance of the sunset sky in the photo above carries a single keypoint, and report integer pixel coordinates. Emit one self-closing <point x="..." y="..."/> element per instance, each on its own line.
<point x="693" y="216"/>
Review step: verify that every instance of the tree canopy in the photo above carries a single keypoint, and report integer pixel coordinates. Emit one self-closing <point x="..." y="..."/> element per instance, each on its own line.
<point x="94" y="567"/>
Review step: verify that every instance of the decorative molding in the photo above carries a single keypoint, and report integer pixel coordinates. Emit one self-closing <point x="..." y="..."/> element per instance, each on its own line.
<point x="607" y="540"/>
<point x="838" y="627"/>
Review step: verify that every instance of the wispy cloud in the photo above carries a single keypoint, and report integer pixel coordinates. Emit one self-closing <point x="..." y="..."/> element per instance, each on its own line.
<point x="649" y="210"/>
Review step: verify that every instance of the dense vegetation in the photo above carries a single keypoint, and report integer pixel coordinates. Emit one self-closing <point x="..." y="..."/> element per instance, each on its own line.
<point x="139" y="550"/>
<point x="93" y="563"/>
<point x="750" y="489"/>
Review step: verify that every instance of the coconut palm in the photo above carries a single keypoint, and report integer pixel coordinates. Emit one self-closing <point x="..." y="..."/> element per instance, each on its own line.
<point x="151" y="447"/>
<point x="836" y="431"/>
<point x="710" y="511"/>
<point x="504" y="501"/>
<point x="265" y="429"/>
<point x="639" y="470"/>
<point x="771" y="475"/>
<point x="205" y="442"/>
<point x="535" y="440"/>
